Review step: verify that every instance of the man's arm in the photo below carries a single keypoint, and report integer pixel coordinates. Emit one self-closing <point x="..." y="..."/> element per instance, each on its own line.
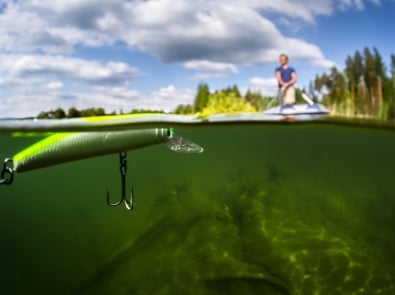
<point x="290" y="83"/>
<point x="279" y="80"/>
<point x="293" y="78"/>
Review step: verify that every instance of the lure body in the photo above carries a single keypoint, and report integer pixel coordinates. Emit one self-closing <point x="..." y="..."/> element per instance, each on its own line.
<point x="66" y="147"/>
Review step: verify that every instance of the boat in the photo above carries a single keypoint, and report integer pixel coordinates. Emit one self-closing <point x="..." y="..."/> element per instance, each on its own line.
<point x="309" y="108"/>
<point x="298" y="109"/>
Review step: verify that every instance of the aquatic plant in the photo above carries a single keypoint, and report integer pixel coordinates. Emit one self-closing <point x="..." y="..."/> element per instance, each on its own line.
<point x="175" y="196"/>
<point x="230" y="241"/>
<point x="240" y="199"/>
<point x="274" y="175"/>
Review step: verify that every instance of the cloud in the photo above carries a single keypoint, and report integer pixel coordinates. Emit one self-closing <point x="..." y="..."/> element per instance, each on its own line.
<point x="25" y="69"/>
<point x="267" y="86"/>
<point x="53" y="85"/>
<point x="208" y="66"/>
<point x="208" y="69"/>
<point x="30" y="101"/>
<point x="169" y="97"/>
<point x="354" y="4"/>
<point x="166" y="98"/>
<point x="172" y="30"/>
<point x="32" y="83"/>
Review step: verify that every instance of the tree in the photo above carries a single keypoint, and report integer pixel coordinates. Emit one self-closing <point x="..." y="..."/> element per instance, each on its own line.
<point x="43" y="115"/>
<point x="255" y="99"/>
<point x="360" y="86"/>
<point x="363" y="88"/>
<point x="201" y="98"/>
<point x="352" y="80"/>
<point x="221" y="102"/>
<point x="393" y="65"/>
<point x="236" y="91"/>
<point x="311" y="91"/>
<point x="369" y="75"/>
<point x="390" y="90"/>
<point x="73" y="113"/>
<point x="58" y="114"/>
<point x="184" y="109"/>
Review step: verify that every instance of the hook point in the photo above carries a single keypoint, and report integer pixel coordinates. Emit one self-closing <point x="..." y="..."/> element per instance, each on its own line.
<point x="129" y="204"/>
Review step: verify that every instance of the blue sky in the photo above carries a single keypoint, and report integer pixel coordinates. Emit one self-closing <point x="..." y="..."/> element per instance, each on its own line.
<point x="126" y="54"/>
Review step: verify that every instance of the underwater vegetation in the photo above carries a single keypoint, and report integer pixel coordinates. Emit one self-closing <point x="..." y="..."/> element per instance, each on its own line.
<point x="248" y="236"/>
<point x="264" y="210"/>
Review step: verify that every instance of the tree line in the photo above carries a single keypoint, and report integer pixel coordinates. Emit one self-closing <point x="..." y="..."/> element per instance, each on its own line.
<point x="205" y="103"/>
<point x="73" y="112"/>
<point x="59" y="113"/>
<point x="365" y="88"/>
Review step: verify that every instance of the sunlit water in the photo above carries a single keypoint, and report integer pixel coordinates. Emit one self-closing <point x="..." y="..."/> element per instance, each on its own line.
<point x="285" y="209"/>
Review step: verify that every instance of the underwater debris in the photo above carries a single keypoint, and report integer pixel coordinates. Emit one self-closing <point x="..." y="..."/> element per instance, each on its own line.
<point x="175" y="195"/>
<point x="242" y="184"/>
<point x="274" y="176"/>
<point x="241" y="200"/>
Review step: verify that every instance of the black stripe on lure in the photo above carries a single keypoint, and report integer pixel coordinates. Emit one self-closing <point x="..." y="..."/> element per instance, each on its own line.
<point x="67" y="147"/>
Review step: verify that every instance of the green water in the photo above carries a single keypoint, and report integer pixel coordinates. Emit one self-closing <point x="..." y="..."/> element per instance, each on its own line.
<point x="289" y="209"/>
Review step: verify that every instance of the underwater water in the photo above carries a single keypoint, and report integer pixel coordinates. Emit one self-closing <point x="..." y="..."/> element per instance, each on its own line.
<point x="266" y="209"/>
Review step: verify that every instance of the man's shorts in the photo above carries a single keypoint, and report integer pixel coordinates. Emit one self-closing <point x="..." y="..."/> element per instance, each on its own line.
<point x="287" y="96"/>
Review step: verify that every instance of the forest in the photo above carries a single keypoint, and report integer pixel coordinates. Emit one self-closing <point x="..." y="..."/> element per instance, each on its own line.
<point x="364" y="88"/>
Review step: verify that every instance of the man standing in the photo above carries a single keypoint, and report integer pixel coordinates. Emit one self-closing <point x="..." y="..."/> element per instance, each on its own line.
<point x="286" y="77"/>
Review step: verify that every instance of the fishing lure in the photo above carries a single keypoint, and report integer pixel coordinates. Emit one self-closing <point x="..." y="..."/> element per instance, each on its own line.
<point x="66" y="147"/>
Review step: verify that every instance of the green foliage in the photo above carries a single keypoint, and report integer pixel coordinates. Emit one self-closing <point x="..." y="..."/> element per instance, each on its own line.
<point x="184" y="109"/>
<point x="226" y="100"/>
<point x="201" y="98"/>
<point x="256" y="99"/>
<point x="90" y="112"/>
<point x="73" y="113"/>
<point x="53" y="114"/>
<point x="231" y="89"/>
<point x="221" y="102"/>
<point x="389" y="89"/>
<point x="364" y="88"/>
<point x="144" y="111"/>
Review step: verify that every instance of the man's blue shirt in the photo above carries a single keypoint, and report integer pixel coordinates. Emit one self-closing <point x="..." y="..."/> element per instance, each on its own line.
<point x="285" y="73"/>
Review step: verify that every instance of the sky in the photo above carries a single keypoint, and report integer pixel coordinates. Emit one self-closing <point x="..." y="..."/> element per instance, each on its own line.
<point x="152" y="54"/>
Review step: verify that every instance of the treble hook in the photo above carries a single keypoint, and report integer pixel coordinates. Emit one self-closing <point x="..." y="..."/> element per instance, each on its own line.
<point x="123" y="167"/>
<point x="7" y="173"/>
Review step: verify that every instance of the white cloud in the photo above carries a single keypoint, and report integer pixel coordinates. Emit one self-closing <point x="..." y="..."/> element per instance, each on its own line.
<point x="236" y="32"/>
<point x="32" y="83"/>
<point x="208" y="69"/>
<point x="30" y="101"/>
<point x="53" y="85"/>
<point x="267" y="86"/>
<point x="355" y="4"/>
<point x="209" y="66"/>
<point x="173" y="30"/>
<point x="169" y="97"/>
<point x="23" y="69"/>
